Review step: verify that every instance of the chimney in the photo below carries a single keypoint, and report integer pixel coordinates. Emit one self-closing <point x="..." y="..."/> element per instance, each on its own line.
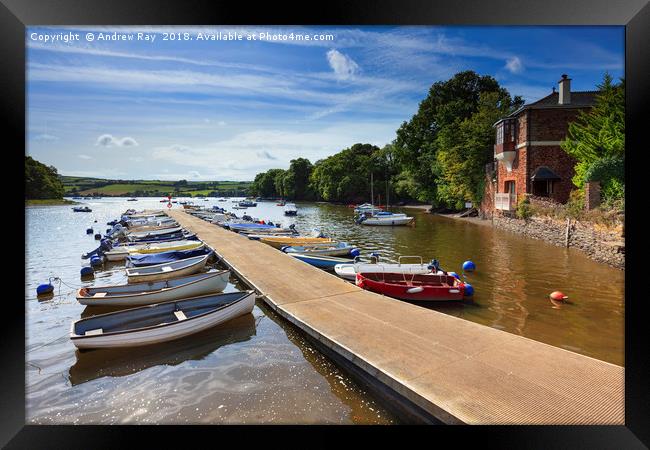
<point x="565" y="90"/>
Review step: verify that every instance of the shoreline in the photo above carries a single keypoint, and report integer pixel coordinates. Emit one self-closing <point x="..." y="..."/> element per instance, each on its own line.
<point x="601" y="246"/>
<point x="49" y="202"/>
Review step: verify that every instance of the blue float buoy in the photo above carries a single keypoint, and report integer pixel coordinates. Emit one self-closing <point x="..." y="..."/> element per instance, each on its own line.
<point x="355" y="252"/>
<point x="89" y="231"/>
<point x="454" y="274"/>
<point x="44" y="289"/>
<point x="85" y="271"/>
<point x="469" y="266"/>
<point x="98" y="236"/>
<point x="96" y="261"/>
<point x="469" y="290"/>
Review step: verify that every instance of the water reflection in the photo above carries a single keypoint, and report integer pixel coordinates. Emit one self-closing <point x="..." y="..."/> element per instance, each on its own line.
<point x="98" y="363"/>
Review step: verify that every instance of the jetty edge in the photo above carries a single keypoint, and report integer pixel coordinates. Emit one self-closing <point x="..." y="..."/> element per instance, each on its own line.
<point x="439" y="367"/>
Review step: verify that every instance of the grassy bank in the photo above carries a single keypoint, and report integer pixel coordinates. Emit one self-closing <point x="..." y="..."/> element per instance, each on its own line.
<point x="49" y="202"/>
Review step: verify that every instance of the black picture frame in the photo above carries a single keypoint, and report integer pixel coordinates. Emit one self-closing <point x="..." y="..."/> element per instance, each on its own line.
<point x="15" y="15"/>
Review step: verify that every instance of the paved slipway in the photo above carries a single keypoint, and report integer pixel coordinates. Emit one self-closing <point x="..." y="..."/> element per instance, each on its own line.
<point x="446" y="368"/>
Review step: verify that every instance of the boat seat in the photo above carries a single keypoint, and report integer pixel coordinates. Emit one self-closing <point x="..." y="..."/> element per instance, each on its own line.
<point x="180" y="315"/>
<point x="94" y="332"/>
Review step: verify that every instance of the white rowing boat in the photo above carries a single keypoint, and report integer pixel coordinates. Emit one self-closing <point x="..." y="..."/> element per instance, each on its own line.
<point x="161" y="322"/>
<point x="167" y="270"/>
<point x="138" y="294"/>
<point x="121" y="252"/>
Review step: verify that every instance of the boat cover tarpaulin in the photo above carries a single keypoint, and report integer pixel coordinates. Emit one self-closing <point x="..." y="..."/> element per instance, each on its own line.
<point x="164" y="257"/>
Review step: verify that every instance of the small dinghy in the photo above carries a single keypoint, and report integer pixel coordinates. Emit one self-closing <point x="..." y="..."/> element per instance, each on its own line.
<point x="82" y="209"/>
<point x="337" y="249"/>
<point x="412" y="286"/>
<point x="323" y="262"/>
<point x="165" y="257"/>
<point x="159" y="322"/>
<point x="167" y="270"/>
<point x="280" y="241"/>
<point x="122" y="252"/>
<point x="138" y="294"/>
<point x="290" y="209"/>
<point x="149" y="234"/>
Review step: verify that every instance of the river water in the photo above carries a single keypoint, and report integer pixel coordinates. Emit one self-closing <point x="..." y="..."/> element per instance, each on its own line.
<point x="257" y="369"/>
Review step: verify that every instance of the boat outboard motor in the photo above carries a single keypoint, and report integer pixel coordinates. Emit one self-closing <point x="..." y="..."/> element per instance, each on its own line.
<point x="361" y="219"/>
<point x="434" y="266"/>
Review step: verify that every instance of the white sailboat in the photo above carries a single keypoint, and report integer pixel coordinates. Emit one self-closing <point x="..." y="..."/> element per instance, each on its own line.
<point x="380" y="217"/>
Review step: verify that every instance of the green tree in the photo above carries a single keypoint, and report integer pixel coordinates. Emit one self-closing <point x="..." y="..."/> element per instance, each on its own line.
<point x="41" y="181"/>
<point x="465" y="146"/>
<point x="416" y="146"/>
<point x="600" y="132"/>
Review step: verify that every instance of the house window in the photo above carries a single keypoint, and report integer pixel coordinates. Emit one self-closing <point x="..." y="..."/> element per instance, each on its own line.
<point x="510" y="187"/>
<point x="500" y="133"/>
<point x="543" y="188"/>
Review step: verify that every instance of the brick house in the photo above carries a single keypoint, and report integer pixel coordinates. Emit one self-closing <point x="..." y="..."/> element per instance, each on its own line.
<point x="527" y="154"/>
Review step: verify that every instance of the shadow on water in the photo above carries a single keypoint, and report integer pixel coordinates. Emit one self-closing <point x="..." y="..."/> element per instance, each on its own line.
<point x="92" y="364"/>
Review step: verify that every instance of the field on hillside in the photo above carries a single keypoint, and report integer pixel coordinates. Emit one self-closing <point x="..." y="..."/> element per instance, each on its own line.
<point x="151" y="188"/>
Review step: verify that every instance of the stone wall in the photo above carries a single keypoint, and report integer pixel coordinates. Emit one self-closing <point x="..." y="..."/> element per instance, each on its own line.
<point x="599" y="243"/>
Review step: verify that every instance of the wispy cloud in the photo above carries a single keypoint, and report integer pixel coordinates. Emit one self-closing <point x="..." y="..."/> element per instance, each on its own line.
<point x="85" y="157"/>
<point x="46" y="137"/>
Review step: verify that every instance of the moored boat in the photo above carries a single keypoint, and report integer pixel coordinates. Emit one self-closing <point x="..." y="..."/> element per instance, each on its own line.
<point x="140" y="260"/>
<point x="321" y="261"/>
<point x="159" y="322"/>
<point x="412" y="286"/>
<point x="167" y="270"/>
<point x="336" y="249"/>
<point x="280" y="241"/>
<point x="349" y="270"/>
<point x="120" y="253"/>
<point x="82" y="209"/>
<point x="385" y="218"/>
<point x="290" y="209"/>
<point x="147" y="293"/>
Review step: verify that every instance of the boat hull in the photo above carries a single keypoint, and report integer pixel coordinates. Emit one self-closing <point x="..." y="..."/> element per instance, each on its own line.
<point x="279" y="242"/>
<point x="322" y="262"/>
<point x="387" y="222"/>
<point x="196" y="286"/>
<point x="158" y="272"/>
<point x="163" y="332"/>
<point x="412" y="287"/>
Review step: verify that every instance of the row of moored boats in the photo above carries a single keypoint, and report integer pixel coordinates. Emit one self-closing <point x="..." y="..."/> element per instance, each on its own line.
<point x="173" y="289"/>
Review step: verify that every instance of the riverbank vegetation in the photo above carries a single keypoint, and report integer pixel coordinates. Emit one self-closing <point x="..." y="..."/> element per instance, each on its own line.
<point x="437" y="157"/>
<point x="42" y="182"/>
<point x="597" y="141"/>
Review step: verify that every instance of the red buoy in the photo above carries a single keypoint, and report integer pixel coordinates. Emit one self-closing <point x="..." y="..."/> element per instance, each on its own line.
<point x="559" y="296"/>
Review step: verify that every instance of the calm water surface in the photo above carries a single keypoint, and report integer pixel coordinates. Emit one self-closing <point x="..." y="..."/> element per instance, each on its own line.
<point x="253" y="369"/>
<point x="257" y="369"/>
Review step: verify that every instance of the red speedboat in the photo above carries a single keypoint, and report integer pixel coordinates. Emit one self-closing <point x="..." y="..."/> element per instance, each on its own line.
<point x="421" y="287"/>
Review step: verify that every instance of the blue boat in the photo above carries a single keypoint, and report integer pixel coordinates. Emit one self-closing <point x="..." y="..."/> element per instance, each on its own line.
<point x="323" y="262"/>
<point x="330" y="249"/>
<point x="164" y="257"/>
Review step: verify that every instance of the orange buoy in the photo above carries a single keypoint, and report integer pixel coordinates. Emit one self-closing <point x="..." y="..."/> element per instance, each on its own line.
<point x="559" y="296"/>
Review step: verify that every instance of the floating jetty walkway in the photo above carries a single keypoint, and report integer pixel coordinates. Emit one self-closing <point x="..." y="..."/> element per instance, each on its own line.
<point x="435" y="367"/>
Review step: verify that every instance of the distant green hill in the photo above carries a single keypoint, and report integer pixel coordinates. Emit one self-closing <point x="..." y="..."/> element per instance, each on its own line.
<point x="84" y="186"/>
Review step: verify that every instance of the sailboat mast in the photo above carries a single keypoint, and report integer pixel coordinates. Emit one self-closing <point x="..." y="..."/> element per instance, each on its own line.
<point x="372" y="195"/>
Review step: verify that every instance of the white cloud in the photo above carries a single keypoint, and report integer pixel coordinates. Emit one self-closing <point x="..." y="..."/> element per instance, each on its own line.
<point x="194" y="174"/>
<point x="343" y="66"/>
<point x="514" y="65"/>
<point x="85" y="157"/>
<point x="46" y="137"/>
<point x="108" y="140"/>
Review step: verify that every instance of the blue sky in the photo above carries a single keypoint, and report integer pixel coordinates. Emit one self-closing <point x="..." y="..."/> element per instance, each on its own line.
<point x="226" y="110"/>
